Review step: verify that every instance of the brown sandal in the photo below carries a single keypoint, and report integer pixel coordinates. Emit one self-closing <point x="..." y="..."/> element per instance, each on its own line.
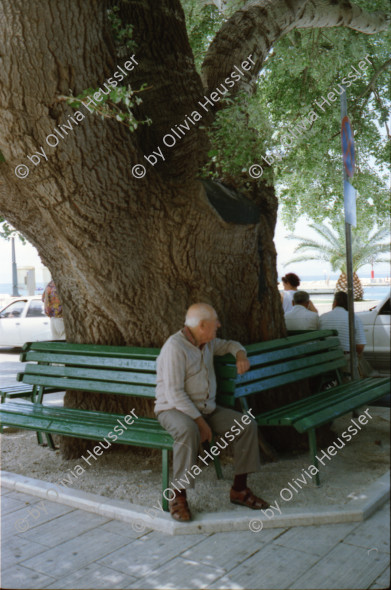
<point x="179" y="509"/>
<point x="247" y="498"/>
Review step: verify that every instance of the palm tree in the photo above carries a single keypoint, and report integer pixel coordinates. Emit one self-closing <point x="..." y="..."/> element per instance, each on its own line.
<point x="366" y="248"/>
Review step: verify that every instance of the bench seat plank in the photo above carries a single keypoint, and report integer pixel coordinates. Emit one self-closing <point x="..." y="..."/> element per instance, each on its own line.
<point x="324" y="400"/>
<point x="324" y="415"/>
<point x="83" y="424"/>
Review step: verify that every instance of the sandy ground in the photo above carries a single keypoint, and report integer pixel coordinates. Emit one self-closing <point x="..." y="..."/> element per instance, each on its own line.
<point x="134" y="474"/>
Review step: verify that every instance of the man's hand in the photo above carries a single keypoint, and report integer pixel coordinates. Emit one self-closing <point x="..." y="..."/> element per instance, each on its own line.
<point x="242" y="362"/>
<point x="205" y="430"/>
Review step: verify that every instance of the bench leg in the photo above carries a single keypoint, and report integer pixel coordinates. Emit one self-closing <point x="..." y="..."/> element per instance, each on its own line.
<point x="50" y="441"/>
<point x="312" y="443"/>
<point x="164" y="477"/>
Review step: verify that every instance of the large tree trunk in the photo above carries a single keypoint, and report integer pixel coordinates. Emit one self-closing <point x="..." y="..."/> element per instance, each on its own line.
<point x="129" y="255"/>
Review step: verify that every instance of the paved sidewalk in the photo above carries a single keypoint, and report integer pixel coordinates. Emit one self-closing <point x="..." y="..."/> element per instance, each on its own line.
<point x="49" y="545"/>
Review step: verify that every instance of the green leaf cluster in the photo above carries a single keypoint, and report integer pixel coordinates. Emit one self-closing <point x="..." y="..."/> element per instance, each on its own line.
<point x="117" y="105"/>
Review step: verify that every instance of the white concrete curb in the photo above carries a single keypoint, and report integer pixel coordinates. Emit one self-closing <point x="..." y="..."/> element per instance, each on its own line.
<point x="356" y="510"/>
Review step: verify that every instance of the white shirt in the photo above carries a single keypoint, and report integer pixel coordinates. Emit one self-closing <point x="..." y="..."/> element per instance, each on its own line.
<point x="301" y="318"/>
<point x="338" y="319"/>
<point x="287" y="297"/>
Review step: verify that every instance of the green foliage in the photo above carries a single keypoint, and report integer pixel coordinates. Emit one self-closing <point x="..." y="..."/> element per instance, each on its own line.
<point x="7" y="231"/>
<point x="116" y="105"/>
<point x="122" y="34"/>
<point x="304" y="66"/>
<point x="307" y="65"/>
<point x="366" y="248"/>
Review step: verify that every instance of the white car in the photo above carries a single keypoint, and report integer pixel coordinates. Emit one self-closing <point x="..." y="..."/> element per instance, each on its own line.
<point x="24" y="320"/>
<point x="376" y="323"/>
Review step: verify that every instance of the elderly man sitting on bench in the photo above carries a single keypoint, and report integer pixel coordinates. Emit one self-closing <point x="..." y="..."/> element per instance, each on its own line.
<point x="186" y="407"/>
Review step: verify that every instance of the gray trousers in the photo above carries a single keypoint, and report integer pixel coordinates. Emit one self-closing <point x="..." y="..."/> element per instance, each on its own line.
<point x="186" y="435"/>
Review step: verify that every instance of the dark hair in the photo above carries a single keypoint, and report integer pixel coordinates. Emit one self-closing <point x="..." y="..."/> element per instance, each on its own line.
<point x="341" y="299"/>
<point x="301" y="297"/>
<point x="292" y="279"/>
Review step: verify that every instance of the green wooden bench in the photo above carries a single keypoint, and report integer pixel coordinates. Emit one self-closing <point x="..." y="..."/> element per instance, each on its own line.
<point x="288" y="360"/>
<point x="24" y="391"/>
<point x="62" y="366"/>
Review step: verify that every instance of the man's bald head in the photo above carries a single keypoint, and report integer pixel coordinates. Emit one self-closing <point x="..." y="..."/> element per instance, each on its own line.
<point x="198" y="312"/>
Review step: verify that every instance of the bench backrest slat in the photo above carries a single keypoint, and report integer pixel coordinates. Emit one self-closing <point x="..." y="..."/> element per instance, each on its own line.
<point x="291" y="377"/>
<point x="85" y="385"/>
<point x="228" y="368"/>
<point x="109" y="376"/>
<point x="91" y="361"/>
<point x="92" y="349"/>
<point x="257" y="378"/>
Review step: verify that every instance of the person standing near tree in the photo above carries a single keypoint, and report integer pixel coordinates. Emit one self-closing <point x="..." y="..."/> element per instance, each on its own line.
<point x="291" y="281"/>
<point x="53" y="309"/>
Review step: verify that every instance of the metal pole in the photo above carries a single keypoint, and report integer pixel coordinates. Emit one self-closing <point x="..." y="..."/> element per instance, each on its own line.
<point x="15" y="292"/>
<point x="349" y="269"/>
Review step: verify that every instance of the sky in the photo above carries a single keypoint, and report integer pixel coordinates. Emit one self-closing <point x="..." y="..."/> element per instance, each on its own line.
<point x="28" y="256"/>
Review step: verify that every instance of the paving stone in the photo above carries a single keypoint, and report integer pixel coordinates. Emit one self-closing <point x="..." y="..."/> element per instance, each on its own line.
<point x="317" y="540"/>
<point x="373" y="532"/>
<point x="94" y="576"/>
<point x="346" y="566"/>
<point x="148" y="553"/>
<point x="271" y="567"/>
<point x="64" y="527"/>
<point x="123" y="528"/>
<point x="75" y="553"/>
<point x="31" y="516"/>
<point x="16" y="549"/>
<point x="383" y="581"/>
<point x="26" y="498"/>
<point x="9" y="505"/>
<point x="216" y="550"/>
<point x="21" y="577"/>
<point x="180" y="573"/>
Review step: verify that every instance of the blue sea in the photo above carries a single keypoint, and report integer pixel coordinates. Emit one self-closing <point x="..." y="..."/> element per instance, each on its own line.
<point x="371" y="292"/>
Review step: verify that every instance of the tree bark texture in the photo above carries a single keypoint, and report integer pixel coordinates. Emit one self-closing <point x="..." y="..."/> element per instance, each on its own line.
<point x="129" y="255"/>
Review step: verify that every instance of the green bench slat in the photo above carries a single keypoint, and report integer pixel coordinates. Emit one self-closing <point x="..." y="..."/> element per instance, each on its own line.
<point x="93" y="349"/>
<point x="97" y="361"/>
<point x="294" y="365"/>
<point x="88" y="385"/>
<point x="85" y="416"/>
<point x="280" y="343"/>
<point x="72" y="424"/>
<point x="290" y="413"/>
<point x="126" y="377"/>
<point x="339" y="409"/>
<point x="277" y="381"/>
<point x="275" y="357"/>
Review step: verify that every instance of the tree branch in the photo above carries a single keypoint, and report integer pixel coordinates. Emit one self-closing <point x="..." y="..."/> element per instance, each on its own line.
<point x="256" y="27"/>
<point x="374" y="78"/>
